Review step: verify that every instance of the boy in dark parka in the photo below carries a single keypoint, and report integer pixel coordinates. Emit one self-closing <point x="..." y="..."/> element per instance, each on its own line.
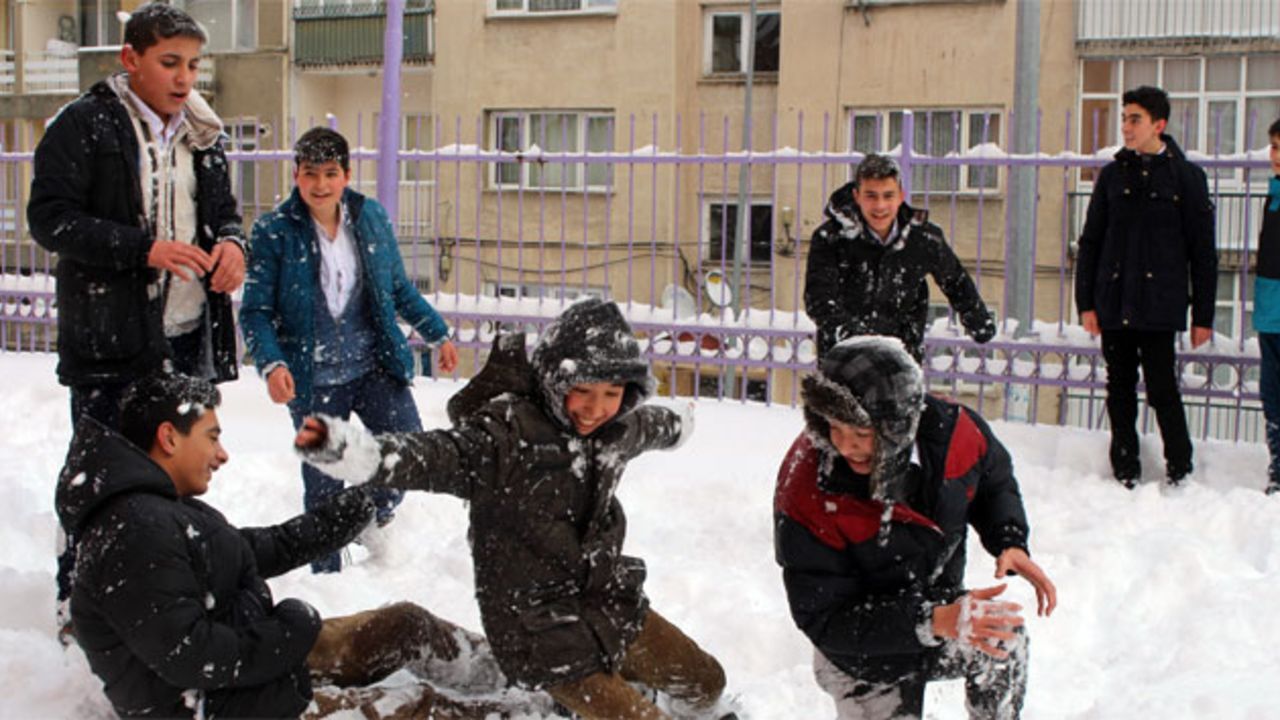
<point x="563" y="608"/>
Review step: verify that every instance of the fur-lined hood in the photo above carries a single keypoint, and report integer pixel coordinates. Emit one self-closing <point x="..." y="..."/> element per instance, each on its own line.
<point x="869" y="381"/>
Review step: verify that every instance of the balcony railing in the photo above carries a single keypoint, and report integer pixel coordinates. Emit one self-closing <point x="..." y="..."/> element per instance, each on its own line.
<point x="1156" y="20"/>
<point x="352" y="34"/>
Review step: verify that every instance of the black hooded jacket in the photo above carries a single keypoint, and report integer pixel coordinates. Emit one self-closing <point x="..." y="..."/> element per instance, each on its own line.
<point x="86" y="205"/>
<point x="1148" y="235"/>
<point x="856" y="285"/>
<point x="170" y="602"/>
<point x="863" y="589"/>
<point x="558" y="599"/>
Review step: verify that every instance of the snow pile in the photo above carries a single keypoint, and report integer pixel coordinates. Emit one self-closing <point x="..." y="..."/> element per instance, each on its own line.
<point x="1165" y="598"/>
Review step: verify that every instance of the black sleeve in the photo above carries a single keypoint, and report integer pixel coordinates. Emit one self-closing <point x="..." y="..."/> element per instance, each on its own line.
<point x="996" y="511"/>
<point x="1091" y="240"/>
<point x="829" y="601"/>
<point x="956" y="283"/>
<point x="316" y="533"/>
<point x="1198" y="224"/>
<point x="822" y="301"/>
<point x="228" y="224"/>
<point x="58" y="211"/>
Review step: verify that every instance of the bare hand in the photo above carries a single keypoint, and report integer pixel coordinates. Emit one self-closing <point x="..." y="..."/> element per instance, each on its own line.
<point x="312" y="434"/>
<point x="448" y="353"/>
<point x="228" y="264"/>
<point x="1015" y="561"/>
<point x="1200" y="336"/>
<point x="182" y="259"/>
<point x="1089" y="318"/>
<point x="280" y="385"/>
<point x="989" y="622"/>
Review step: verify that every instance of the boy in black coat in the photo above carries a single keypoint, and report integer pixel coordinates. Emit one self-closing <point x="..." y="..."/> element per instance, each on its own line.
<point x="130" y="188"/>
<point x="872" y="540"/>
<point x="170" y="602"/>
<point x="1148" y="236"/>
<point x="539" y="462"/>
<point x="867" y="266"/>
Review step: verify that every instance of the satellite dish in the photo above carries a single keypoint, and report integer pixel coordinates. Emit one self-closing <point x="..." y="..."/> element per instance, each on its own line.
<point x="717" y="289"/>
<point x="679" y="300"/>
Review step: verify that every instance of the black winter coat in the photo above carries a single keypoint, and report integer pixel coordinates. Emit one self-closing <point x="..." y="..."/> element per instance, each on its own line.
<point x="86" y="205"/>
<point x="170" y="603"/>
<point x="1148" y="230"/>
<point x="867" y="605"/>
<point x="855" y="285"/>
<point x="558" y="599"/>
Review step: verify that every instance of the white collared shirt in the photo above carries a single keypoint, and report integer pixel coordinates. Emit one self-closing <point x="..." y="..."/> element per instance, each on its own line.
<point x="161" y="131"/>
<point x="338" y="263"/>
<point x="888" y="239"/>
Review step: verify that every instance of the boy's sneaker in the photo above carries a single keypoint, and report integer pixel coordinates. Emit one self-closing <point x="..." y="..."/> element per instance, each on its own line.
<point x="1128" y="477"/>
<point x="1178" y="474"/>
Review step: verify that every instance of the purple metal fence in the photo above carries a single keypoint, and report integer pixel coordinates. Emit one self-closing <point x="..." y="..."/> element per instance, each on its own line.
<point x="505" y="238"/>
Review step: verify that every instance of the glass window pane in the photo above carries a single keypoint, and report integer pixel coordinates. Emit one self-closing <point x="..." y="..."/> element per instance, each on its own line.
<point x="1263" y="72"/>
<point x="1138" y="73"/>
<point x="508" y="140"/>
<point x="942" y="132"/>
<point x="215" y="17"/>
<point x="761" y="233"/>
<point x="1099" y="76"/>
<point x="723" y="221"/>
<point x="1182" y="75"/>
<point x="599" y="139"/>
<point x="726" y="43"/>
<point x="552" y="5"/>
<point x="1221" y="135"/>
<point x="1097" y="130"/>
<point x="602" y="3"/>
<point x="866" y="134"/>
<point x="554" y="132"/>
<point x="895" y="130"/>
<point x="984" y="128"/>
<point x="1184" y="123"/>
<point x="1259" y="113"/>
<point x="768" y="41"/>
<point x="1222" y="74"/>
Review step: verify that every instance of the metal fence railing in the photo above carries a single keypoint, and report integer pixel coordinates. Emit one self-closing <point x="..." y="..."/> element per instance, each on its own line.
<point x="654" y="230"/>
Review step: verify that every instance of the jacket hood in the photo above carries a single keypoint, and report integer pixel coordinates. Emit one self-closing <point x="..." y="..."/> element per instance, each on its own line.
<point x="590" y="342"/>
<point x="843" y="210"/>
<point x="203" y="124"/>
<point x="869" y="381"/>
<point x="100" y="465"/>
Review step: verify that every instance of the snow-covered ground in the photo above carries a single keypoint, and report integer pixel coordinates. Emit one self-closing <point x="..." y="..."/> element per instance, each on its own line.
<point x="1168" y="601"/>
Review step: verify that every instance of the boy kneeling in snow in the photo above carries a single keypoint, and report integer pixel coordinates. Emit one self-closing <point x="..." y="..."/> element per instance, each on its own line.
<point x="872" y="544"/>
<point x="539" y="464"/>
<point x="170" y="601"/>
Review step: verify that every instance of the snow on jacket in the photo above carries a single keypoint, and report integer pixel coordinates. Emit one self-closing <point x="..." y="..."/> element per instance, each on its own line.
<point x="862" y="586"/>
<point x="86" y="205"/>
<point x="170" y="604"/>
<point x="856" y="285"/>
<point x="558" y="599"/>
<point x="1148" y="230"/>
<point x="1266" y="289"/>
<point x="277" y="314"/>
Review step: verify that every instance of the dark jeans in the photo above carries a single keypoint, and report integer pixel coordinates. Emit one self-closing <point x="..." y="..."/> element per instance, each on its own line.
<point x="1269" y="388"/>
<point x="894" y="690"/>
<point x="383" y="404"/>
<point x="101" y="401"/>
<point x="1125" y="351"/>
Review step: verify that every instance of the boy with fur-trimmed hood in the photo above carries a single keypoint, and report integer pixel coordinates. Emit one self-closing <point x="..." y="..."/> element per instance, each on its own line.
<point x="872" y="508"/>
<point x="563" y="608"/>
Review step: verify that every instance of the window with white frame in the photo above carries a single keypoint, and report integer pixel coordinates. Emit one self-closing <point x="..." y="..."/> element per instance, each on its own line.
<point x="541" y="7"/>
<point x="1220" y="104"/>
<point x="937" y="132"/>
<point x="552" y="131"/>
<point x="728" y="33"/>
<point x="720" y="222"/>
<point x="98" y="23"/>
<point x="230" y="25"/>
<point x="416" y="134"/>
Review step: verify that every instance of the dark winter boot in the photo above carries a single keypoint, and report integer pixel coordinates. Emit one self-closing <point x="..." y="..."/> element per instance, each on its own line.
<point x="1125" y="464"/>
<point x="1273" y="487"/>
<point x="1178" y="472"/>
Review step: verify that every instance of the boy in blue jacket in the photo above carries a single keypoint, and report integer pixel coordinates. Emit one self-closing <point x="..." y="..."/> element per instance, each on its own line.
<point x="325" y="285"/>
<point x="1266" y="311"/>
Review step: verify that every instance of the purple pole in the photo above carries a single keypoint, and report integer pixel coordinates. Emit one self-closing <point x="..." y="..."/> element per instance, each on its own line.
<point x="389" y="123"/>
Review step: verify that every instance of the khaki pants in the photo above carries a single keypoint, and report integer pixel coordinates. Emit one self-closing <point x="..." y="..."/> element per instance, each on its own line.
<point x="661" y="658"/>
<point x="358" y="650"/>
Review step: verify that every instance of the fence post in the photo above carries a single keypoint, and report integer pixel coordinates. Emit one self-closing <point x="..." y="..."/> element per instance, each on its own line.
<point x="389" y="123"/>
<point x="904" y="160"/>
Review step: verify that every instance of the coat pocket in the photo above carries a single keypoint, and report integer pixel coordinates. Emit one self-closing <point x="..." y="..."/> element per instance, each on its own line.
<point x="105" y="317"/>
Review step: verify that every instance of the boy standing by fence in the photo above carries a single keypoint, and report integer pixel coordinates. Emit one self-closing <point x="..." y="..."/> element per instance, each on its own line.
<point x="1266" y="311"/>
<point x="131" y="190"/>
<point x="1148" y="236"/>
<point x="326" y="283"/>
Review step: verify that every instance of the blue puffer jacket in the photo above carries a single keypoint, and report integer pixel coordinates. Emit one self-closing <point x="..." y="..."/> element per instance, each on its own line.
<point x="277" y="315"/>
